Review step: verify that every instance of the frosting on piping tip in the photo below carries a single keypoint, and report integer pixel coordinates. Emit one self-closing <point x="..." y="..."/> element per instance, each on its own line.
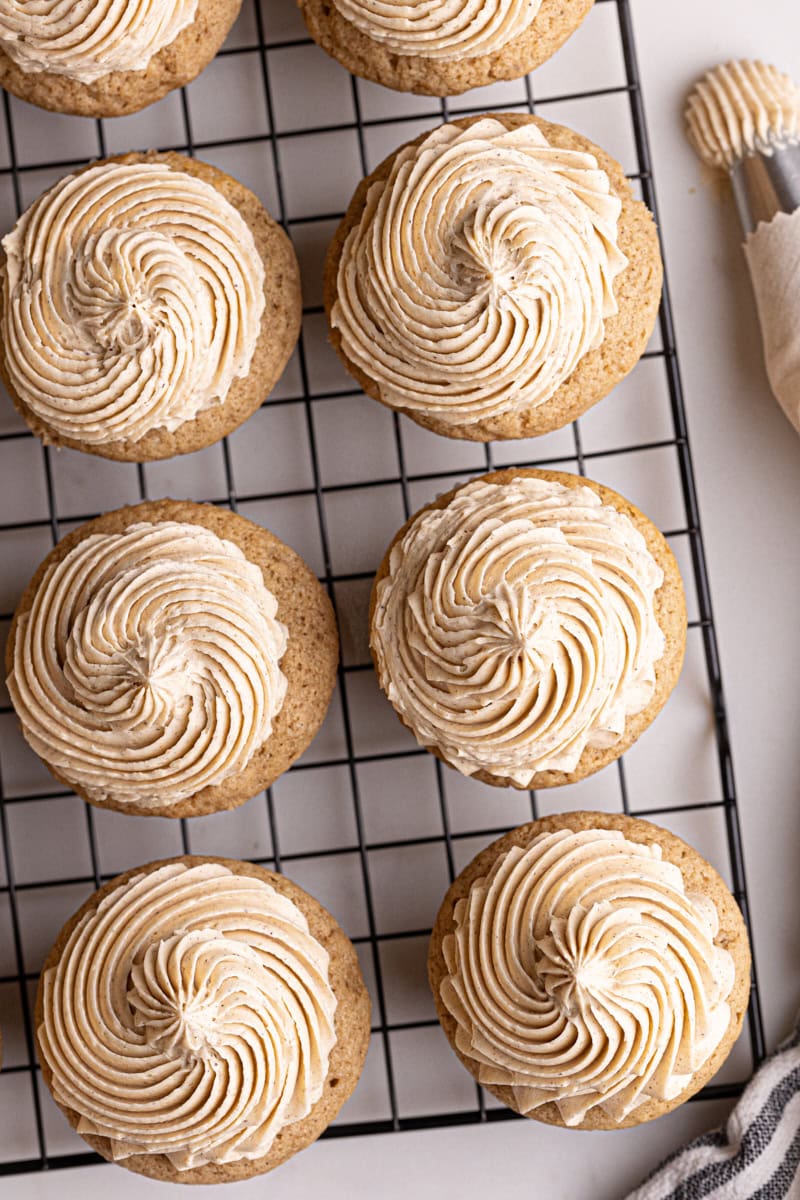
<point x="581" y="972"/>
<point x="189" y="1015"/>
<point x="516" y="627"/>
<point x="86" y="40"/>
<point x="147" y="667"/>
<point x="132" y="299"/>
<point x="742" y="108"/>
<point x="480" y="272"/>
<point x="451" y="29"/>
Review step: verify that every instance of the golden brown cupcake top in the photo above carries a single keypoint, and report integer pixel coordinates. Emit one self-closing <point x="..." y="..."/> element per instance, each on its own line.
<point x="85" y="40"/>
<point x="148" y="665"/>
<point x="132" y="299"/>
<point x="480" y="272"/>
<point x="448" y="29"/>
<point x="580" y="971"/>
<point x="516" y="626"/>
<point x="190" y="1015"/>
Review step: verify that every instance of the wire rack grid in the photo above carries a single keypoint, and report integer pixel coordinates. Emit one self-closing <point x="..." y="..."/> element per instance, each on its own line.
<point x="367" y="821"/>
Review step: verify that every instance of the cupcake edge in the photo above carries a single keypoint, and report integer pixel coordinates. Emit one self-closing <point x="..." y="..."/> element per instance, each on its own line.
<point x="278" y="332"/>
<point x="352" y="1024"/>
<point x="699" y="877"/>
<point x="637" y="290"/>
<point x="670" y="609"/>
<point x="309" y="664"/>
<point x="120" y="93"/>
<point x="371" y="59"/>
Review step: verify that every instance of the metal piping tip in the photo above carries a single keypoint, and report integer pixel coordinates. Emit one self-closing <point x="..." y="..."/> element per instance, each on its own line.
<point x="744" y="117"/>
<point x="765" y="185"/>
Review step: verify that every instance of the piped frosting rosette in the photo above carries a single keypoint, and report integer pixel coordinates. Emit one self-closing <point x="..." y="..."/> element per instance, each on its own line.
<point x="87" y="40"/>
<point x="133" y="299"/>
<point x="516" y="626"/>
<point x="740" y="108"/>
<point x="450" y="29"/>
<point x="480" y="273"/>
<point x="190" y="1015"/>
<point x="148" y="665"/>
<point x="581" y="972"/>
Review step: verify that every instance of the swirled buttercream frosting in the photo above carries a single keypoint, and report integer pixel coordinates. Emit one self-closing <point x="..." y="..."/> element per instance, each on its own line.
<point x="190" y="1014"/>
<point x="148" y="667"/>
<point x="516" y="627"/>
<point x="480" y="272"/>
<point x="133" y="299"/>
<point x="581" y="972"/>
<point x="742" y="108"/>
<point x="87" y="39"/>
<point x="452" y="29"/>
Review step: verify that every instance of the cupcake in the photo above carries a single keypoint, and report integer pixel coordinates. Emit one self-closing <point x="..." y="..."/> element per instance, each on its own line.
<point x="110" y="59"/>
<point x="200" y="1020"/>
<point x="149" y="304"/>
<point x="171" y="659"/>
<point x="493" y="279"/>
<point x="442" y="48"/>
<point x="528" y="626"/>
<point x="591" y="971"/>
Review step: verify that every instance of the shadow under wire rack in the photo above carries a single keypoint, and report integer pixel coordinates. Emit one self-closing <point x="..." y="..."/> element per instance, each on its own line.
<point x="369" y="823"/>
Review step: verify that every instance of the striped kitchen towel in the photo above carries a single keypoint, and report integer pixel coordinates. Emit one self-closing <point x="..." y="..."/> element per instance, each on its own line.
<point x="756" y="1156"/>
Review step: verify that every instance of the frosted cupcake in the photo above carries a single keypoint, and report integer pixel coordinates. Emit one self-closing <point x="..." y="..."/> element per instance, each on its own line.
<point x="171" y="659"/>
<point x="591" y="971"/>
<point x="493" y="279"/>
<point x="444" y="47"/>
<point x="528" y="626"/>
<point x="149" y="305"/>
<point x="200" y="1020"/>
<point x="109" y="59"/>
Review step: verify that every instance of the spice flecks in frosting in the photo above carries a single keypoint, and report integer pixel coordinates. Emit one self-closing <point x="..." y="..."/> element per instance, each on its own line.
<point x="581" y="972"/>
<point x="85" y="40"/>
<point x="742" y="108"/>
<point x="189" y="1015"/>
<point x="450" y="29"/>
<point x="516" y="627"/>
<point x="132" y="300"/>
<point x="148" y="666"/>
<point x="480" y="273"/>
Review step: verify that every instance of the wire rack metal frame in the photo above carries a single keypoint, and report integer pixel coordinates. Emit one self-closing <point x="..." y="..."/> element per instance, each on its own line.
<point x="382" y="1028"/>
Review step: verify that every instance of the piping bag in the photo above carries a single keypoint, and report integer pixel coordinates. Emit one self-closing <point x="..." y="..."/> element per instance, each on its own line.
<point x="744" y="118"/>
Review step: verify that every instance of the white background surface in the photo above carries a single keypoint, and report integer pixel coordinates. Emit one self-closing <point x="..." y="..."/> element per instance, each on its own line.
<point x="748" y="465"/>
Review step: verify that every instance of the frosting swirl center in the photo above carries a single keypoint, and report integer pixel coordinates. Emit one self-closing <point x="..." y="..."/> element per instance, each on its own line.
<point x="181" y="994"/>
<point x="586" y="959"/>
<point x="113" y="301"/>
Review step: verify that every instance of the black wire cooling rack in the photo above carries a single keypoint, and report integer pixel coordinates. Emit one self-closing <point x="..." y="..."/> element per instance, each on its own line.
<point x="360" y="847"/>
